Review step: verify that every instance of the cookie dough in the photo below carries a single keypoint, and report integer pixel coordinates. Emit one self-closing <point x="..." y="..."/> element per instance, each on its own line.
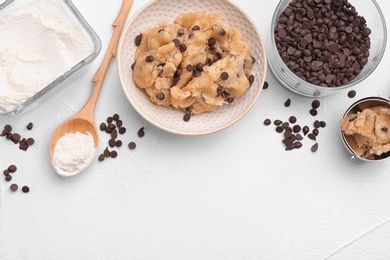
<point x="369" y="131"/>
<point x="195" y="64"/>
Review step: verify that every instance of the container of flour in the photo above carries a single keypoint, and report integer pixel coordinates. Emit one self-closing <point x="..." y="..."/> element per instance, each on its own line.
<point x="46" y="43"/>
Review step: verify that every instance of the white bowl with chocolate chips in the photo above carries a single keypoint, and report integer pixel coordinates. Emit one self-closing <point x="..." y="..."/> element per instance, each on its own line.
<point x="191" y="69"/>
<point x="321" y="47"/>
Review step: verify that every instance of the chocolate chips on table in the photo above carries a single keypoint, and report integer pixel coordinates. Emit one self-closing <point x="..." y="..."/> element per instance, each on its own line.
<point x="24" y="143"/>
<point x="114" y="126"/>
<point x="8" y="177"/>
<point x="325" y="43"/>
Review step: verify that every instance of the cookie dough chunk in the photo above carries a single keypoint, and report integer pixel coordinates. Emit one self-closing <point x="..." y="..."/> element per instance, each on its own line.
<point x="370" y="130"/>
<point x="195" y="64"/>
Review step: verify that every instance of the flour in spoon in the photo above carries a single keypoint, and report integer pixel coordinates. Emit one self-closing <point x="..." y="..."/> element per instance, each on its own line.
<point x="73" y="153"/>
<point x="38" y="44"/>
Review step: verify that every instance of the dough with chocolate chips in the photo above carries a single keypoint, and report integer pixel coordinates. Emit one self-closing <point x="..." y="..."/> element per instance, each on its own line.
<point x="195" y="64"/>
<point x="369" y="130"/>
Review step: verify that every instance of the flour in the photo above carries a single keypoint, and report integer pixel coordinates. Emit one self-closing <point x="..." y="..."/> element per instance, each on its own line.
<point x="73" y="153"/>
<point x="38" y="44"/>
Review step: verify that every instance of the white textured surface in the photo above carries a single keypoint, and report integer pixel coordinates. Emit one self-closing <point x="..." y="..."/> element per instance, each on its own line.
<point x="235" y="194"/>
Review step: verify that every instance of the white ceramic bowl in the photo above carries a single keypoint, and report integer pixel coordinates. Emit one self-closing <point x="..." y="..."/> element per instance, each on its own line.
<point x="170" y="119"/>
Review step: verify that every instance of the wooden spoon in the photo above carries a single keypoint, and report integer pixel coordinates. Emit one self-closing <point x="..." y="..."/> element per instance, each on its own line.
<point x="84" y="121"/>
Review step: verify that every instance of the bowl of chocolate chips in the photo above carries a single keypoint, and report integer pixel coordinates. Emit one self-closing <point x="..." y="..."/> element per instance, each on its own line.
<point x="191" y="69"/>
<point x="320" y="47"/>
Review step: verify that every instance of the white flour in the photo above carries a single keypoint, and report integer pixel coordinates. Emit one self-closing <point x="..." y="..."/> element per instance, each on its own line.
<point x="73" y="153"/>
<point x="37" y="45"/>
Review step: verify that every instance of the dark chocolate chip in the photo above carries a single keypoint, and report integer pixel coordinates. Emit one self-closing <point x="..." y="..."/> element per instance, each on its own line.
<point x="122" y="130"/>
<point x="277" y="122"/>
<point x="181" y="32"/>
<point x="351" y="93"/>
<point x="182" y="47"/>
<point x="222" y="32"/>
<point x="149" y="58"/>
<point x="101" y="157"/>
<point x="113" y="154"/>
<point x="314" y="148"/>
<point x="176" y="42"/>
<point x="189" y="68"/>
<point x="267" y="121"/>
<point x="187" y="117"/>
<point x="118" y="143"/>
<point x="224" y="75"/>
<point x="14" y="187"/>
<point x="160" y="96"/>
<point x="141" y="132"/>
<point x="315" y="104"/>
<point x="292" y="119"/>
<point x="287" y="103"/>
<point x="196" y="28"/>
<point x="138" y="40"/>
<point x="265" y="85"/>
<point x="30" y="126"/>
<point x="132" y="145"/>
<point x="115" y="117"/>
<point x="112" y="143"/>
<point x="25" y="189"/>
<point x="313" y="112"/>
<point x="12" y="168"/>
<point x="8" y="178"/>
<point x="103" y="126"/>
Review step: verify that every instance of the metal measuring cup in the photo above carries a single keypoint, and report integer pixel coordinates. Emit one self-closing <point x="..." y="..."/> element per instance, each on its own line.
<point x="349" y="142"/>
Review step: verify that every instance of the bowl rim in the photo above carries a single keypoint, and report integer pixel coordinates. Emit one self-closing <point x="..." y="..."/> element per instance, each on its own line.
<point x="187" y="133"/>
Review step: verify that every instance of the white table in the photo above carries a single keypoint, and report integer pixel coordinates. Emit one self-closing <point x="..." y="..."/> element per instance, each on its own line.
<point x="235" y="194"/>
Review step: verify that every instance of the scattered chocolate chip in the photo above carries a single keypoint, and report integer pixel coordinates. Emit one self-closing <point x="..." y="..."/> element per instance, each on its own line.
<point x="267" y="121"/>
<point x="29" y="126"/>
<point x="106" y="152"/>
<point x="119" y="123"/>
<point x="6" y="172"/>
<point x="113" y="154"/>
<point x="181" y="32"/>
<point x="279" y="129"/>
<point x="222" y="32"/>
<point x="265" y="85"/>
<point x="211" y="41"/>
<point x="189" y="68"/>
<point x="277" y="122"/>
<point x="25" y="189"/>
<point x="296" y="128"/>
<point x="141" y="132"/>
<point x="109" y="119"/>
<point x="317" y="124"/>
<point x="196" y="28"/>
<point x="101" y="157"/>
<point x="314" y="148"/>
<point x="313" y="112"/>
<point x="8" y="178"/>
<point x="315" y="104"/>
<point x="14" y="187"/>
<point x="112" y="143"/>
<point x="133" y="65"/>
<point x="287" y="103"/>
<point x="122" y="130"/>
<point x="312" y="136"/>
<point x="115" y="117"/>
<point x="103" y="126"/>
<point x="118" y="143"/>
<point x="292" y="119"/>
<point x="12" y="168"/>
<point x="132" y="145"/>
<point x="351" y="93"/>
<point x="305" y="129"/>
<point x="224" y="75"/>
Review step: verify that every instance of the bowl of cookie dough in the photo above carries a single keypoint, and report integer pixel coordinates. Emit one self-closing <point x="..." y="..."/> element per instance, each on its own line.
<point x="322" y="47"/>
<point x="365" y="129"/>
<point x="190" y="68"/>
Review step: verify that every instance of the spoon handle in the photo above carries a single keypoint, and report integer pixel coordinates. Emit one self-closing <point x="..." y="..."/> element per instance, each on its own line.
<point x="98" y="78"/>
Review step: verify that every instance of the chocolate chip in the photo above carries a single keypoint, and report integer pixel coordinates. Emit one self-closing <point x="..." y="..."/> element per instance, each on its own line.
<point x="132" y="145"/>
<point x="133" y="65"/>
<point x="14" y="187"/>
<point x="141" y="132"/>
<point x="181" y="32"/>
<point x="199" y="66"/>
<point x="292" y="119"/>
<point x="196" y="28"/>
<point x="315" y="104"/>
<point x="119" y="123"/>
<point x="25" y="189"/>
<point x="113" y="154"/>
<point x="101" y="157"/>
<point x="114" y="134"/>
<point x="8" y="178"/>
<point x="109" y="119"/>
<point x="138" y="40"/>
<point x="352" y="118"/>
<point x="189" y="68"/>
<point x="182" y="47"/>
<point x="305" y="130"/>
<point x="384" y="129"/>
<point x="160" y="96"/>
<point x="187" y="117"/>
<point x="224" y="75"/>
<point x="277" y="122"/>
<point x="351" y="93"/>
<point x="118" y="143"/>
<point x="106" y="152"/>
<point x="112" y="143"/>
<point x="265" y="85"/>
<point x="222" y="32"/>
<point x="313" y="112"/>
<point x="315" y="131"/>
<point x="12" y="168"/>
<point x="211" y="41"/>
<point x="149" y="58"/>
<point x="312" y="136"/>
<point x="6" y="172"/>
<point x="29" y="126"/>
<point x="115" y="117"/>
<point x="251" y="79"/>
<point x="287" y="103"/>
<point x="279" y="129"/>
<point x="317" y="124"/>
<point x="103" y="126"/>
<point x="314" y="148"/>
<point x="122" y="130"/>
<point x="267" y="121"/>
<point x="30" y="141"/>
<point x="323" y="124"/>
<point x="297" y="128"/>
<point x="177" y="73"/>
<point x="176" y="42"/>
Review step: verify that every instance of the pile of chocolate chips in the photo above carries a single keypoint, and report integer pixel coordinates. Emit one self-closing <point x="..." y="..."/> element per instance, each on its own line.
<point x="324" y="42"/>
<point x="294" y="133"/>
<point x="114" y="126"/>
<point x="24" y="143"/>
